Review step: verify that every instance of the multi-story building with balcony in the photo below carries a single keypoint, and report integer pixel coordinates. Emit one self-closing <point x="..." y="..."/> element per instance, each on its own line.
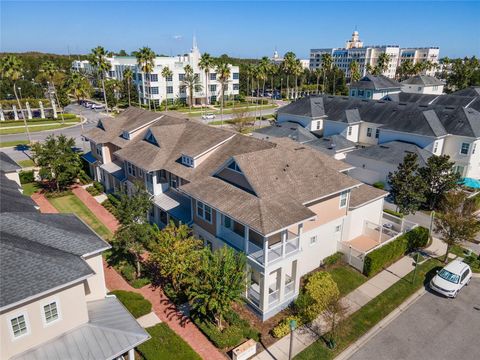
<point x="156" y="88"/>
<point x="285" y="206"/>
<point x="368" y="55"/>
<point x="53" y="303"/>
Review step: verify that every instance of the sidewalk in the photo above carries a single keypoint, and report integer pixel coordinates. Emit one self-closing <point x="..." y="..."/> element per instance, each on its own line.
<point x="45" y="206"/>
<point x="304" y="336"/>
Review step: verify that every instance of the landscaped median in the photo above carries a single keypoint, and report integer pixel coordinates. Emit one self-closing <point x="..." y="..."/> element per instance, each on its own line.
<point x="35" y="125"/>
<point x="357" y="324"/>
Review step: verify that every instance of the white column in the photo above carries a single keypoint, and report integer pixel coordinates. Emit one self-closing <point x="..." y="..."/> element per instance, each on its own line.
<point x="54" y="108"/>
<point x="42" y="110"/>
<point x="284" y="241"/>
<point x="15" y="114"/>
<point x="2" y="115"/>
<point x="131" y="354"/>
<point x="264" y="291"/>
<point x="29" y="111"/>
<point x="282" y="284"/>
<point x="265" y="252"/>
<point x="246" y="239"/>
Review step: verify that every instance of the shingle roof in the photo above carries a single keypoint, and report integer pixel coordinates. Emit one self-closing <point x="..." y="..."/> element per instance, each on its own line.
<point x="306" y="106"/>
<point x="11" y="198"/>
<point x="7" y="164"/>
<point x="469" y="91"/>
<point x="40" y="252"/>
<point x="332" y="144"/>
<point x="392" y="152"/>
<point x="424" y="80"/>
<point x="375" y="83"/>
<point x="365" y="194"/>
<point x="288" y="129"/>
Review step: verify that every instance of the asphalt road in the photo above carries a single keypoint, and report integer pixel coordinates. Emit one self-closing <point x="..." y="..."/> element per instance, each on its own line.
<point x="434" y="328"/>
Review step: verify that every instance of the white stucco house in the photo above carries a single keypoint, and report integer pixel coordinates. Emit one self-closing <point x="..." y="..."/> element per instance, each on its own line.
<point x="423" y="84"/>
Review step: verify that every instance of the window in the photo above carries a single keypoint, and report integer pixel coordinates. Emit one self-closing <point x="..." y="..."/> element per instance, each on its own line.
<point x="181" y="77"/>
<point x="233" y="166"/>
<point x="318" y="125"/>
<point x="183" y="90"/>
<point x="369" y="132"/>
<point x="350" y="130"/>
<point x="313" y="240"/>
<point x="213" y="88"/>
<point x="338" y="228"/>
<point x="236" y="86"/>
<point x="173" y="181"/>
<point x="235" y="76"/>
<point x="352" y="93"/>
<point x="419" y="88"/>
<point x="204" y="212"/>
<point x="213" y="76"/>
<point x="139" y="77"/>
<point x="187" y="160"/>
<point x="474" y="147"/>
<point x="377" y="133"/>
<point x="169" y="89"/>
<point x="435" y="147"/>
<point x="51" y="312"/>
<point x="154" y="90"/>
<point x="98" y="149"/>
<point x="153" y="77"/>
<point x="161" y="176"/>
<point x="369" y="94"/>
<point x="465" y="148"/>
<point x="435" y="87"/>
<point x="343" y="199"/>
<point x="129" y="168"/>
<point x="19" y="326"/>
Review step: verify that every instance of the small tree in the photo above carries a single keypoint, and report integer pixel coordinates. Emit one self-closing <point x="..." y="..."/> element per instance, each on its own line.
<point x="439" y="177"/>
<point x="334" y="313"/>
<point x="407" y="187"/>
<point x="220" y="282"/>
<point x="456" y="222"/>
<point x="241" y="119"/>
<point x="176" y="254"/>
<point x="134" y="208"/>
<point x="58" y="161"/>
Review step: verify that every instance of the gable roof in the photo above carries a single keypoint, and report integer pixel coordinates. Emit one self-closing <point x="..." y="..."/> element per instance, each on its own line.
<point x="307" y="106"/>
<point x="48" y="248"/>
<point x="423" y="80"/>
<point x="11" y="197"/>
<point x="288" y="129"/>
<point x="365" y="194"/>
<point x="7" y="164"/>
<point x="373" y="82"/>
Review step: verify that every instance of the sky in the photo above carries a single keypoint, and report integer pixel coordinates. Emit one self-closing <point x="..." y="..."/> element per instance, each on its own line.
<point x="249" y="29"/>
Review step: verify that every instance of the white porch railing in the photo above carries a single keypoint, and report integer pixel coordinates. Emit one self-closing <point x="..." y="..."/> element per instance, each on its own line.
<point x="273" y="297"/>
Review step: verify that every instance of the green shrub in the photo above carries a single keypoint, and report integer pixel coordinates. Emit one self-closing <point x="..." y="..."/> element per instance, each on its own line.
<point x="139" y="283"/>
<point x="376" y="260"/>
<point x="283" y="327"/>
<point x="107" y="204"/>
<point x="135" y="303"/>
<point x="379" y="185"/>
<point x="394" y="213"/>
<point x="127" y="270"/>
<point x="333" y="259"/>
<point x="98" y="186"/>
<point x="26" y="176"/>
<point x="113" y="199"/>
<point x="84" y="178"/>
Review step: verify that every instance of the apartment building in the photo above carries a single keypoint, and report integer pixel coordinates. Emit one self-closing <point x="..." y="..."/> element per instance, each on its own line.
<point x="53" y="303"/>
<point x="286" y="206"/>
<point x="367" y="55"/>
<point x="156" y="88"/>
<point x="436" y="127"/>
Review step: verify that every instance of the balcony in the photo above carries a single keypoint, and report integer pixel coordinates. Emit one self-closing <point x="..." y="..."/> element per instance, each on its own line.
<point x="275" y="252"/>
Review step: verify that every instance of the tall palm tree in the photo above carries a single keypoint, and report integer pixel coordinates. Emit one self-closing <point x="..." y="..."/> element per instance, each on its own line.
<point x="205" y="64"/>
<point x="223" y="77"/>
<point x="264" y="69"/>
<point x="297" y="70"/>
<point x="287" y="66"/>
<point x="128" y="77"/>
<point x="166" y="73"/>
<point x="327" y="62"/>
<point x="146" y="61"/>
<point x="272" y="71"/>
<point x="354" y="71"/>
<point x="98" y="58"/>
<point x="78" y="85"/>
<point x="249" y="74"/>
<point x="382" y="64"/>
<point x="191" y="81"/>
<point x="318" y="73"/>
<point x="50" y="70"/>
<point x="11" y="69"/>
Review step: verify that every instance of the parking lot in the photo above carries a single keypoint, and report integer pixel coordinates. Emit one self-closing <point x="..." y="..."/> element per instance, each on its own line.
<point x="434" y="327"/>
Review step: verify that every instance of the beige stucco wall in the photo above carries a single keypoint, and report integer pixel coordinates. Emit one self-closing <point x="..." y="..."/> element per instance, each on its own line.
<point x="95" y="285"/>
<point x="327" y="210"/>
<point x="72" y="313"/>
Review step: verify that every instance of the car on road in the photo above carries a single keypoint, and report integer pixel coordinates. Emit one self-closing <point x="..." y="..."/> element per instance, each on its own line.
<point x="96" y="107"/>
<point x="208" y="116"/>
<point x="450" y="279"/>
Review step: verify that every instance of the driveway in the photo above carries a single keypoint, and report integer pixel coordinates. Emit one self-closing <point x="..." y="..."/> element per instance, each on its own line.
<point x="432" y="328"/>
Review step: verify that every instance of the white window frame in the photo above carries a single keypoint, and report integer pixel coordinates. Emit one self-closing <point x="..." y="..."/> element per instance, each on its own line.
<point x="203" y="207"/>
<point x="435" y="147"/>
<point x="468" y="148"/>
<point x="350" y="129"/>
<point x="236" y="168"/>
<point x="369" y="132"/>
<point x="343" y="198"/>
<point x="27" y="325"/>
<point x="338" y="228"/>
<point x="313" y="240"/>
<point x="377" y="133"/>
<point x="44" y="317"/>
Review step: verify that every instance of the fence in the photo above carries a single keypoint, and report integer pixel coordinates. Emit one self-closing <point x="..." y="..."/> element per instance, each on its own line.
<point x="352" y="256"/>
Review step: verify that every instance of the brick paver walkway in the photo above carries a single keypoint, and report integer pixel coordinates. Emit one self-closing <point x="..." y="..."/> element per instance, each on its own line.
<point x="100" y="212"/>
<point x="167" y="313"/>
<point x="43" y="204"/>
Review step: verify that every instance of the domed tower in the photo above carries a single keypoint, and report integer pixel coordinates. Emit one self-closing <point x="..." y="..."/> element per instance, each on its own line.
<point x="354" y="42"/>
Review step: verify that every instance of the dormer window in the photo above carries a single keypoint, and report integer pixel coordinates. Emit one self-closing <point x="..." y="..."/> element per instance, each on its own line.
<point x="151" y="139"/>
<point x="233" y="166"/>
<point x="187" y="160"/>
<point x="126" y="135"/>
<point x="100" y="125"/>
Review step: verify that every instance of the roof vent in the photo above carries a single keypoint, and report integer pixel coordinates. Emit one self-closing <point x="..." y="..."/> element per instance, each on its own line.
<point x="402" y="103"/>
<point x="450" y="107"/>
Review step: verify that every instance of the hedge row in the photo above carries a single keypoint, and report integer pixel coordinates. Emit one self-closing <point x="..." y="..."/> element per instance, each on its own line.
<point x="135" y="303"/>
<point x="386" y="255"/>
<point x="26" y="176"/>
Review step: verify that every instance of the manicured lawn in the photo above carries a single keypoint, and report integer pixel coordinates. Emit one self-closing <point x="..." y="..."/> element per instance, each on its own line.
<point x="72" y="204"/>
<point x="32" y="129"/>
<point x="373" y="312"/>
<point x="30" y="188"/>
<point x="69" y="118"/>
<point x="347" y="278"/>
<point x="166" y="345"/>
<point x="26" y="163"/>
<point x="13" y="143"/>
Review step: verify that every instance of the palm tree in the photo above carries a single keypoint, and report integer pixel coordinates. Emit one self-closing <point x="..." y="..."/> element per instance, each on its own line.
<point x="249" y="74"/>
<point x="354" y="71"/>
<point x="405" y="69"/>
<point x="288" y="64"/>
<point x="297" y="70"/>
<point x="205" y="64"/>
<point x="78" y="85"/>
<point x="327" y="62"/>
<point x="11" y="69"/>
<point x="272" y="71"/>
<point x="166" y="73"/>
<point x="98" y="58"/>
<point x="318" y="73"/>
<point x="382" y="64"/>
<point x="50" y="70"/>
<point x="191" y="82"/>
<point x="223" y="76"/>
<point x="264" y="68"/>
<point x="128" y="77"/>
<point x="146" y="61"/>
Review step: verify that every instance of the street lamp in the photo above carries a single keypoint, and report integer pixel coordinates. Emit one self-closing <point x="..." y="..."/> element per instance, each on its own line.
<point x="293" y="325"/>
<point x="20" y="90"/>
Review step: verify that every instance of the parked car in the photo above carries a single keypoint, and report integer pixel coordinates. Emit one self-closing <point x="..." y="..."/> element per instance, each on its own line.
<point x="450" y="279"/>
<point x="208" y="116"/>
<point x="96" y="107"/>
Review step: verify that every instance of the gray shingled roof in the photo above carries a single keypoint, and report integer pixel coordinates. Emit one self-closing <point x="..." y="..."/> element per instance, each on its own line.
<point x="424" y="80"/>
<point x="307" y="106"/>
<point x="110" y="332"/>
<point x="332" y="144"/>
<point x="375" y="83"/>
<point x="469" y="91"/>
<point x="392" y="152"/>
<point x="7" y="164"/>
<point x="47" y="248"/>
<point x="11" y="198"/>
<point x="288" y="129"/>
